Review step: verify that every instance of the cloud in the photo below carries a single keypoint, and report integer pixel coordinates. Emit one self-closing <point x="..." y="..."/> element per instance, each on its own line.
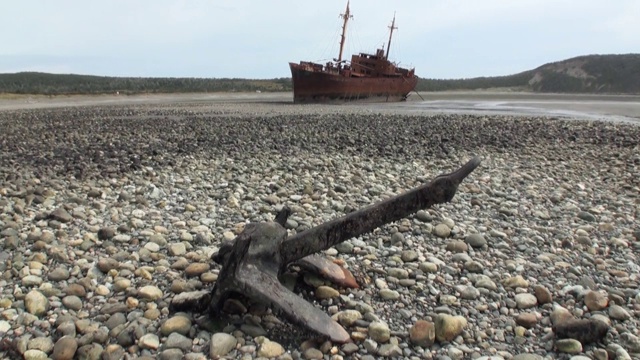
<point x="238" y="38"/>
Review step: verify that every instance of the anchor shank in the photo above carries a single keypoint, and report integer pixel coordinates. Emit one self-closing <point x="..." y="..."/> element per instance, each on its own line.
<point x="440" y="190"/>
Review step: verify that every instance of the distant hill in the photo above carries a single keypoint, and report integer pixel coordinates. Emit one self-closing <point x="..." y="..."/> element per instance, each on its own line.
<point x="617" y="74"/>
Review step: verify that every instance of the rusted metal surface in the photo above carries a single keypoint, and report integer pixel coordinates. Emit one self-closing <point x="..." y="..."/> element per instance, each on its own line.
<point x="440" y="190"/>
<point x="367" y="77"/>
<point x="311" y="86"/>
<point x="252" y="263"/>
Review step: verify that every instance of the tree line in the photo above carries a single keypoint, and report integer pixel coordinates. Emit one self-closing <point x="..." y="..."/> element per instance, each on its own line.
<point x="586" y="74"/>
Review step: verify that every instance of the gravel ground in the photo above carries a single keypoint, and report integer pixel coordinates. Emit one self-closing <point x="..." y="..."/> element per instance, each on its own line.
<point x="108" y="212"/>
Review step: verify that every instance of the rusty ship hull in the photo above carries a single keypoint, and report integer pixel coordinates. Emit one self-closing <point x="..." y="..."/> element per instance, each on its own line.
<point x="322" y="85"/>
<point x="366" y="77"/>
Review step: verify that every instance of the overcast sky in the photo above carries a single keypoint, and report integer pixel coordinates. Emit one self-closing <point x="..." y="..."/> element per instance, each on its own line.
<point x="257" y="38"/>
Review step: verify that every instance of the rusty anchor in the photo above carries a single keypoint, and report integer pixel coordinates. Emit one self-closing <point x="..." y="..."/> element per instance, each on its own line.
<point x="252" y="263"/>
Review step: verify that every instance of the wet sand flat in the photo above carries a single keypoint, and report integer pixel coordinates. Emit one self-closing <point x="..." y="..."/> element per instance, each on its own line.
<point x="579" y="106"/>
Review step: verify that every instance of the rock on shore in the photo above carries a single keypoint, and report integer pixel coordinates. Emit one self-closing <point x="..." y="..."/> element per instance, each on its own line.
<point x="109" y="212"/>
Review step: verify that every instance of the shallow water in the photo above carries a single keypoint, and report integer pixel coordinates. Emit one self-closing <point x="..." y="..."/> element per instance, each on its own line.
<point x="601" y="110"/>
<point x="615" y="108"/>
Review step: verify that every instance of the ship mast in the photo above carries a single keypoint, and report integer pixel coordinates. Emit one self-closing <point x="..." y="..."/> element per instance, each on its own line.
<point x="392" y="27"/>
<point x="345" y="17"/>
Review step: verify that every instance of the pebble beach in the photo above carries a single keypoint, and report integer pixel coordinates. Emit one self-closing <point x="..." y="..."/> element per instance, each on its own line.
<point x="108" y="212"/>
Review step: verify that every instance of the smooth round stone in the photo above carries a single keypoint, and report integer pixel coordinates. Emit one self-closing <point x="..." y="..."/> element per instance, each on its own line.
<point x="422" y="333"/>
<point x="525" y="301"/>
<point x="5" y="303"/>
<point x="196" y="269"/>
<point x="388" y="294"/>
<point x="409" y="255"/>
<point x="221" y="344"/>
<point x="72" y="302"/>
<point x="4" y="326"/>
<point x="44" y="344"/>
<point x="457" y="246"/>
<point x="442" y="231"/>
<point x="542" y="294"/>
<point x="349" y="348"/>
<point x="473" y="266"/>
<point x="397" y="237"/>
<point x="107" y="264"/>
<point x="516" y="282"/>
<point x="486" y="283"/>
<point x="447" y="327"/>
<point x="58" y="274"/>
<point x="270" y="349"/>
<point x="150" y="292"/>
<point x="75" y="289"/>
<point x="595" y="300"/>
<point x="102" y="290"/>
<point x="152" y="314"/>
<point x="345" y="247"/>
<point x="398" y="273"/>
<point x="448" y="299"/>
<point x="379" y="331"/>
<point x="526" y="320"/>
<point x="158" y="239"/>
<point x="149" y="341"/>
<point x="31" y="280"/>
<point x="178" y="341"/>
<point x="132" y="302"/>
<point x="461" y="258"/>
<point x="122" y="238"/>
<point x="455" y="353"/>
<point x="65" y="348"/>
<point x="476" y="240"/>
<point x="569" y="346"/>
<point x="312" y="354"/>
<point x="178" y="323"/>
<point x="630" y="342"/>
<point x="61" y="215"/>
<point x="424" y="216"/>
<point x="121" y="284"/>
<point x="617" y="312"/>
<point x="586" y="216"/>
<point x="349" y="317"/>
<point x="178" y="249"/>
<point x="389" y="350"/>
<point x="470" y="293"/>
<point x="173" y="354"/>
<point x="151" y="246"/>
<point x="428" y="267"/>
<point x="208" y="277"/>
<point x="449" y="222"/>
<point x="559" y="314"/>
<point x="326" y="292"/>
<point x="36" y="303"/>
<point x="35" y="355"/>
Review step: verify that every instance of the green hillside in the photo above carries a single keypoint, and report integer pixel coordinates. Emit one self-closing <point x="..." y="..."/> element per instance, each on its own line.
<point x="616" y="74"/>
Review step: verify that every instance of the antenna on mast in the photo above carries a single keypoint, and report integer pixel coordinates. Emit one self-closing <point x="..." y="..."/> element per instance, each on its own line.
<point x="346" y="16"/>
<point x="391" y="28"/>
